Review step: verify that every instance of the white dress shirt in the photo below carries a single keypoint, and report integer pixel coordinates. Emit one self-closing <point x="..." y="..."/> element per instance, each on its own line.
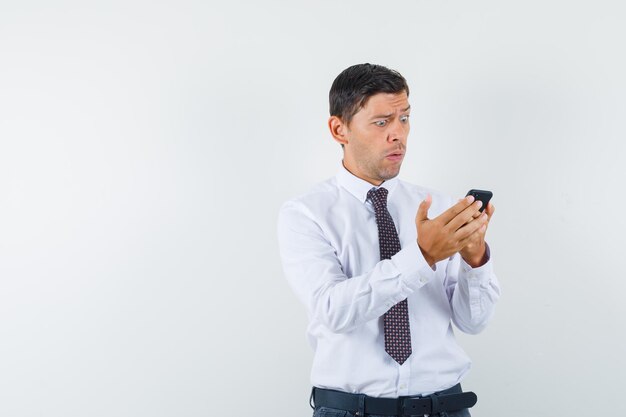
<point x="328" y="242"/>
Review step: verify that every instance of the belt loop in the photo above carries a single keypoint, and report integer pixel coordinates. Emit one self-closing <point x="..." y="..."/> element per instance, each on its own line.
<point x="312" y="398"/>
<point x="434" y="404"/>
<point x="361" y="411"/>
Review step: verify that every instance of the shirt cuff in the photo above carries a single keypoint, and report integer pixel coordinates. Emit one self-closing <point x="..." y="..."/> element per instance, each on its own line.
<point x="479" y="276"/>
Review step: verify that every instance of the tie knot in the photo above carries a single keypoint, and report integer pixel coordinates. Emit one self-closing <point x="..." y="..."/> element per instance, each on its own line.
<point x="378" y="197"/>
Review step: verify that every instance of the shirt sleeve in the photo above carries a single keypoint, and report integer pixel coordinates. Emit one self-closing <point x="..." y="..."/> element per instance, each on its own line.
<point x="315" y="274"/>
<point x="472" y="293"/>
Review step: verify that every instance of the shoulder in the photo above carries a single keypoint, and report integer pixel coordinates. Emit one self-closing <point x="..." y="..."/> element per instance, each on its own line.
<point x="317" y="199"/>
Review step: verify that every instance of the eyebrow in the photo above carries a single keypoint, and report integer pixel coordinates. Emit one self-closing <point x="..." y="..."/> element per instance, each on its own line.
<point x="384" y="116"/>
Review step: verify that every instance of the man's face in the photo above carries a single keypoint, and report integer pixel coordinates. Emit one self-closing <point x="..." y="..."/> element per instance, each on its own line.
<point x="377" y="136"/>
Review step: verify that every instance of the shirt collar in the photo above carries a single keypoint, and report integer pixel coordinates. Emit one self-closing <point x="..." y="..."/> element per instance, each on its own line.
<point x="359" y="187"/>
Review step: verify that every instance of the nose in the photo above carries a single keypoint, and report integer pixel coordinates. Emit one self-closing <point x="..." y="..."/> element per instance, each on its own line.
<point x="398" y="131"/>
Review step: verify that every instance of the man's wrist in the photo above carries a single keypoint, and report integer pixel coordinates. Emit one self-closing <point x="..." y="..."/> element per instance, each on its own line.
<point x="429" y="259"/>
<point x="477" y="260"/>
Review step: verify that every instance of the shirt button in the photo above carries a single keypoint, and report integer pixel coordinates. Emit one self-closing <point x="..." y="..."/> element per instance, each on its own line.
<point x="402" y="386"/>
<point x="423" y="280"/>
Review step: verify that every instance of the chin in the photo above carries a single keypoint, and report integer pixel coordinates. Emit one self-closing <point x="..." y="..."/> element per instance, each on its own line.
<point x="389" y="174"/>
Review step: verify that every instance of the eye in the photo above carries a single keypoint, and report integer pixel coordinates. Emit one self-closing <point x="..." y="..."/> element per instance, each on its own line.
<point x="404" y="118"/>
<point x="380" y="123"/>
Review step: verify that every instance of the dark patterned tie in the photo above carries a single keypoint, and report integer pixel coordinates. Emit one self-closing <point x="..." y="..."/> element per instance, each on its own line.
<point x="396" y="319"/>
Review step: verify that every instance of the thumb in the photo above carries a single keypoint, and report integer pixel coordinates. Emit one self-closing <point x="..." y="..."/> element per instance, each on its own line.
<point x="422" y="210"/>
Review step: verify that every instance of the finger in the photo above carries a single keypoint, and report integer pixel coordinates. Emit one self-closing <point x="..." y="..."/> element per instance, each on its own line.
<point x="465" y="216"/>
<point x="422" y="210"/>
<point x="475" y="225"/>
<point x="490" y="210"/>
<point x="477" y="214"/>
<point x="474" y="238"/>
<point x="453" y="211"/>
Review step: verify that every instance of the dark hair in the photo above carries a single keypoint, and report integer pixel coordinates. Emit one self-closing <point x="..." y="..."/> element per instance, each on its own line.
<point x="356" y="84"/>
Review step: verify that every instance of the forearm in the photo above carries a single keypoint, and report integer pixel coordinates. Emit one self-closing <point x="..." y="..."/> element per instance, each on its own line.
<point x="475" y="296"/>
<point x="342" y="303"/>
<point x="314" y="271"/>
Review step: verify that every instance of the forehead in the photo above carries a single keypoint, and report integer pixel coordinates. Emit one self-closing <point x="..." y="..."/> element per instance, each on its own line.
<point x="386" y="103"/>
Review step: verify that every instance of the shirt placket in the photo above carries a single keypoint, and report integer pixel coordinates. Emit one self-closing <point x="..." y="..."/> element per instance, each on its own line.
<point x="404" y="377"/>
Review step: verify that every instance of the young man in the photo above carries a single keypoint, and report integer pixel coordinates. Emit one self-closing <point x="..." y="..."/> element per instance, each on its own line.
<point x="384" y="267"/>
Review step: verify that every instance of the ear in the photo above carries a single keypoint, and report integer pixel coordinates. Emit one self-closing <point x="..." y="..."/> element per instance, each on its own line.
<point x="338" y="129"/>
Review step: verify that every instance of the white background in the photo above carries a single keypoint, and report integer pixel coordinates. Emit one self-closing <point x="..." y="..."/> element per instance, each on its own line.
<point x="145" y="148"/>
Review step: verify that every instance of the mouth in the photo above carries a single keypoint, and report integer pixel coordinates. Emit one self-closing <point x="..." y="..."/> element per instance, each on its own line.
<point x="395" y="156"/>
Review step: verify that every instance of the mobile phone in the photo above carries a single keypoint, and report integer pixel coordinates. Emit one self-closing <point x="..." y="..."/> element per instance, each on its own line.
<point x="482" y="195"/>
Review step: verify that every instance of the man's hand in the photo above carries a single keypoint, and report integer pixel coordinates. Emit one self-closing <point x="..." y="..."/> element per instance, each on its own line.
<point x="459" y="226"/>
<point x="475" y="252"/>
